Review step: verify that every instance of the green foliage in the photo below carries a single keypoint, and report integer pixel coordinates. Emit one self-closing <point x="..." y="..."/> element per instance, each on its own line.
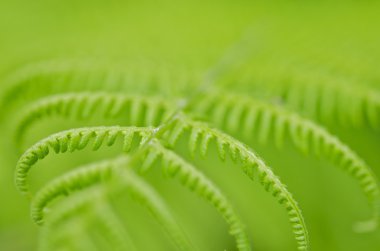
<point x="113" y="130"/>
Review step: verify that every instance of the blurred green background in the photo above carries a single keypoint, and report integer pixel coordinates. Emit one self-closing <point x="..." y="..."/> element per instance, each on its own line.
<point x="262" y="41"/>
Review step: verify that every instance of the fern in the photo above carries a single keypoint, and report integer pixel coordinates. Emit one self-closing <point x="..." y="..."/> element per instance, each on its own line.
<point x="78" y="180"/>
<point x="251" y="165"/>
<point x="57" y="77"/>
<point x="322" y="98"/>
<point x="241" y="109"/>
<point x="259" y="120"/>
<point x="144" y="111"/>
<point x="180" y="91"/>
<point x="196" y="181"/>
<point x="262" y="119"/>
<point x="73" y="140"/>
<point x="79" y="138"/>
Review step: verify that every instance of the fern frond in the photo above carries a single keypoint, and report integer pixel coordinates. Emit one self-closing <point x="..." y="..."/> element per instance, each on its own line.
<point x="325" y="99"/>
<point x="73" y="180"/>
<point x="175" y="167"/>
<point x="73" y="140"/>
<point x="87" y="176"/>
<point x="135" y="110"/>
<point x="251" y="165"/>
<point x="261" y="120"/>
<point x="62" y="76"/>
<point x="189" y="177"/>
<point x="337" y="102"/>
<point x="68" y="183"/>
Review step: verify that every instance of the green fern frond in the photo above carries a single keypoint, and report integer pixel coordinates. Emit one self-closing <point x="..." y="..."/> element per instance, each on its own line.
<point x="134" y="110"/>
<point x="61" y="142"/>
<point x="252" y="114"/>
<point x="172" y="164"/>
<point x="97" y="173"/>
<point x="73" y="140"/>
<point x="322" y="98"/>
<point x="265" y="121"/>
<point x="60" y="76"/>
<point x="343" y="103"/>
<point x="178" y="87"/>
<point x="65" y="185"/>
<point x="175" y="167"/>
<point x="251" y="165"/>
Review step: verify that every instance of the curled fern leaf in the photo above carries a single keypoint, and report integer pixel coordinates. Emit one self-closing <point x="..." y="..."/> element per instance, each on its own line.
<point x="136" y="111"/>
<point x="77" y="179"/>
<point x="175" y="167"/>
<point x="252" y="166"/>
<point x="262" y="120"/>
<point x="188" y="175"/>
<point x="84" y="177"/>
<point x="73" y="140"/>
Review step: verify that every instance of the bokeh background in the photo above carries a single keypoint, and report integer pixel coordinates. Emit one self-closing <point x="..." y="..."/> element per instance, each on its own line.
<point x="186" y="43"/>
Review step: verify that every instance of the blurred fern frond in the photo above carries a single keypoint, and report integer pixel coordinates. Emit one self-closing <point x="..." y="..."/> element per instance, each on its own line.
<point x="200" y="125"/>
